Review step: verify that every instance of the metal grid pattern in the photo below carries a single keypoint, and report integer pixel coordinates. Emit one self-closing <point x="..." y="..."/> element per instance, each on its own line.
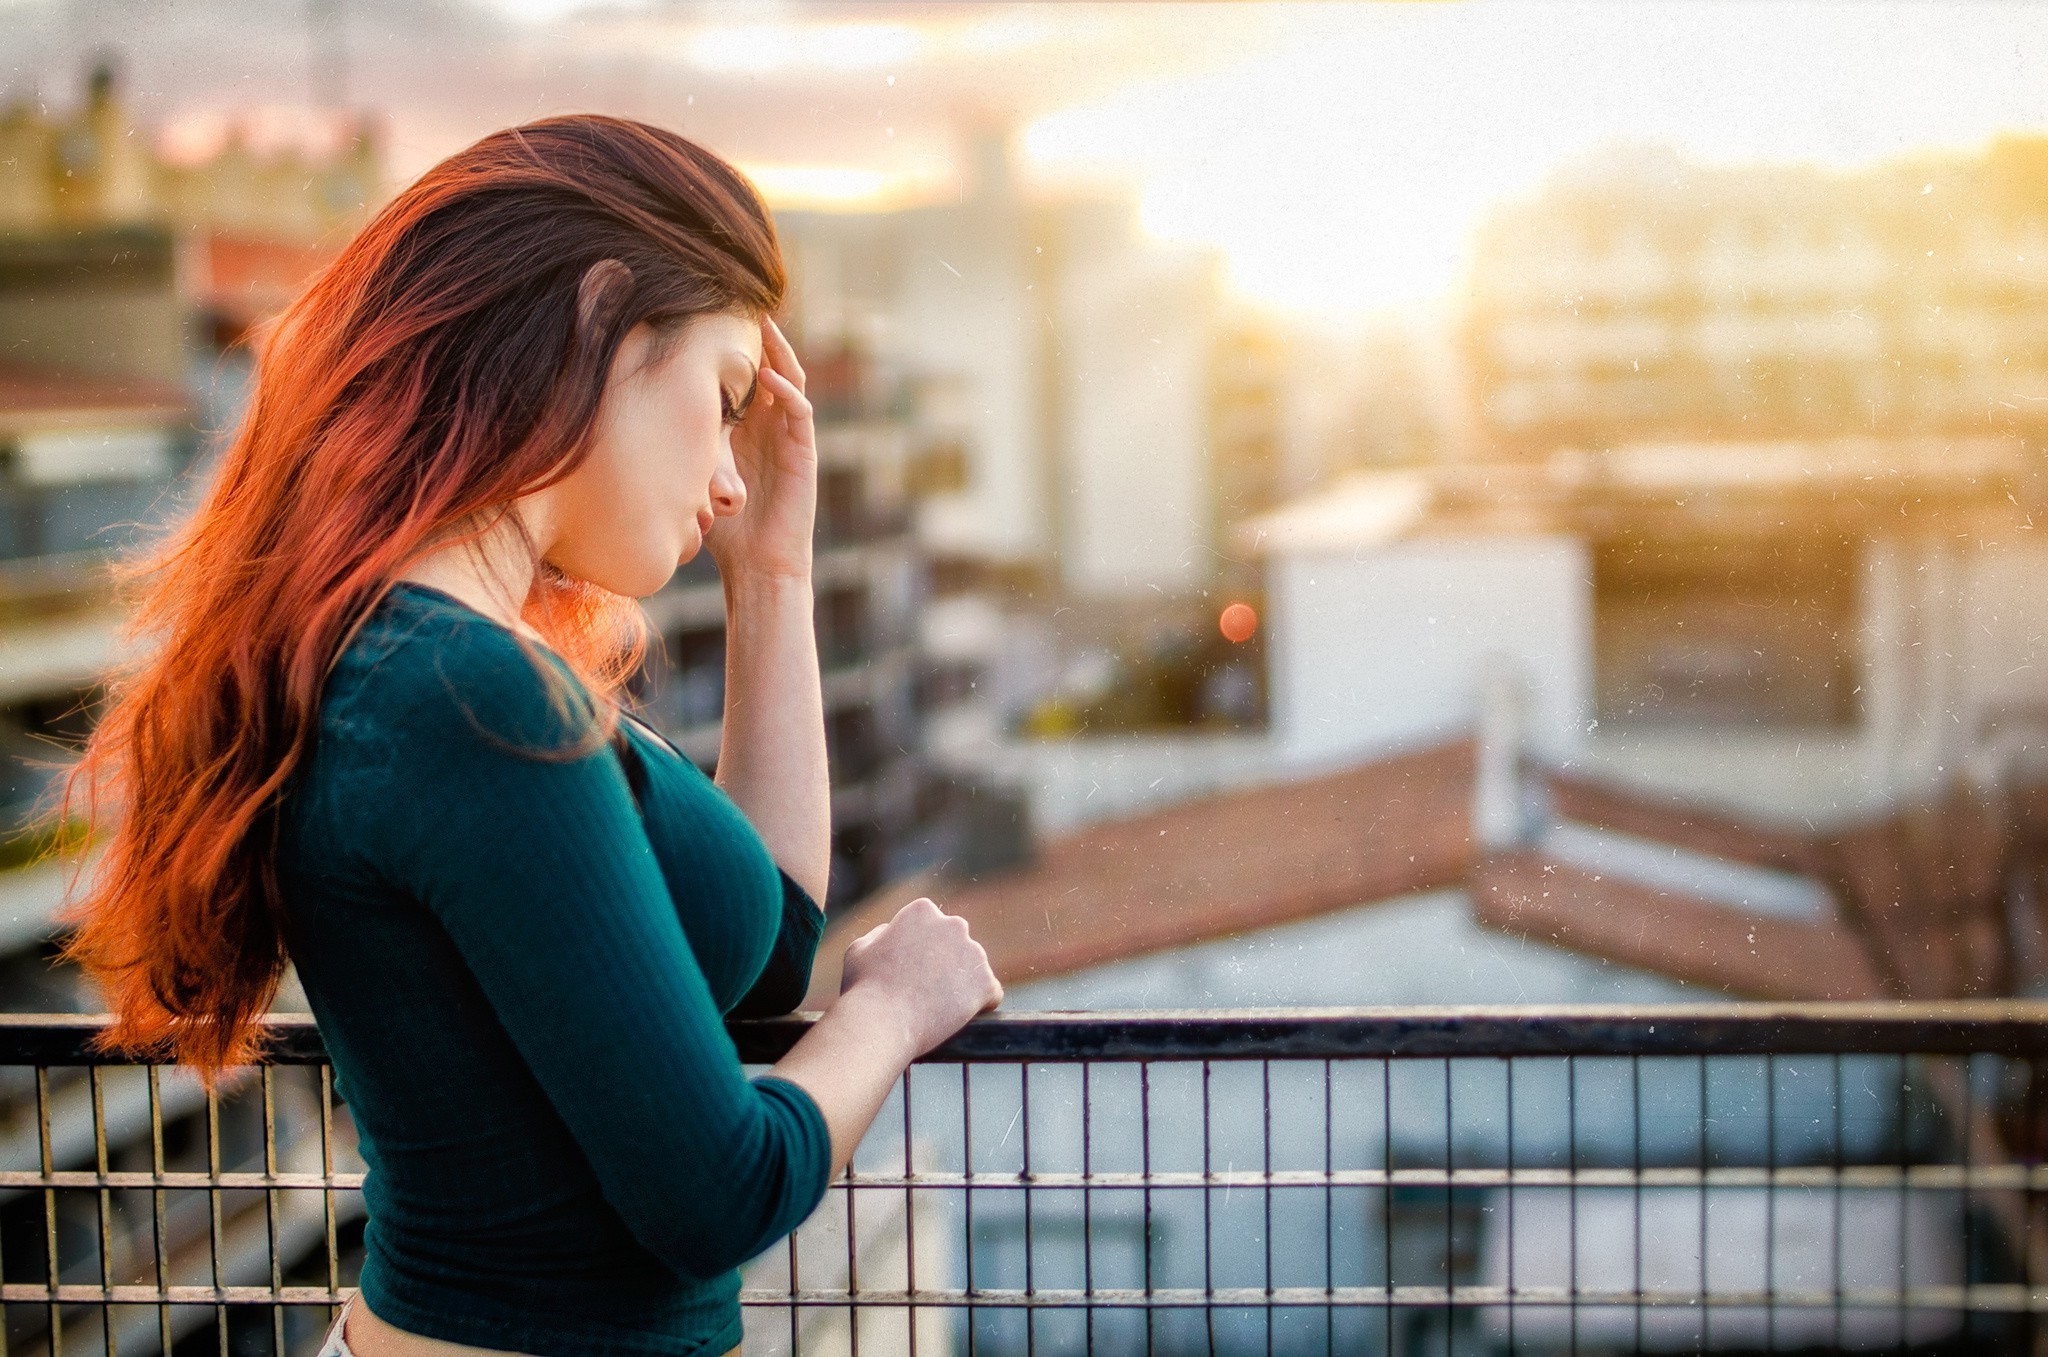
<point x="139" y="1214"/>
<point x="1731" y="1178"/>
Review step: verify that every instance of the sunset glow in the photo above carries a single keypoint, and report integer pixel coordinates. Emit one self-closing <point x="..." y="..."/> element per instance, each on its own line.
<point x="1345" y="171"/>
<point x="842" y="188"/>
<point x="768" y="47"/>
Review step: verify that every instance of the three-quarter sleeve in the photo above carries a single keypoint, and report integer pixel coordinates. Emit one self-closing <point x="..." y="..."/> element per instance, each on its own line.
<point x="786" y="977"/>
<point x="541" y="873"/>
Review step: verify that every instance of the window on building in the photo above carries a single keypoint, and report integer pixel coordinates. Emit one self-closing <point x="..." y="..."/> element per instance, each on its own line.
<point x="937" y="468"/>
<point x="1729" y="631"/>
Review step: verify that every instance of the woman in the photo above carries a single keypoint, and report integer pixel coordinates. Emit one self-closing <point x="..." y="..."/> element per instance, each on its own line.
<point x="380" y="736"/>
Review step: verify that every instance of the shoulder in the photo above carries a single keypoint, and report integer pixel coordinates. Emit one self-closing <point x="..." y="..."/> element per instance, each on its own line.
<point x="422" y="670"/>
<point x="431" y="712"/>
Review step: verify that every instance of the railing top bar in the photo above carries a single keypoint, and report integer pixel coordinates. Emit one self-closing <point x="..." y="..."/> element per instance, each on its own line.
<point x="2009" y="1027"/>
<point x="2017" y="1027"/>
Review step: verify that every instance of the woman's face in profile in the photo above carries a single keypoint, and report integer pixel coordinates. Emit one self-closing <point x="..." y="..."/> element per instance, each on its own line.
<point x="661" y="464"/>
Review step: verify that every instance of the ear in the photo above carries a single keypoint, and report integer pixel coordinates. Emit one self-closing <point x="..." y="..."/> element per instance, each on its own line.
<point x="601" y="297"/>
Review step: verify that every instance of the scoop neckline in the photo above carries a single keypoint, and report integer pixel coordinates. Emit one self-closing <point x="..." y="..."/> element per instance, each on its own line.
<point x="487" y="619"/>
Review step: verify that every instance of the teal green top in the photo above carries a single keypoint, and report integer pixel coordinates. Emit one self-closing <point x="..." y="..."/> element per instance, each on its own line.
<point x="520" y="968"/>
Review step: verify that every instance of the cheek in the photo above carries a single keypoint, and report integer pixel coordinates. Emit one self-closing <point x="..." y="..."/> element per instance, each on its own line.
<point x="611" y="497"/>
<point x="690" y="430"/>
<point x="642" y="461"/>
<point x="665" y="448"/>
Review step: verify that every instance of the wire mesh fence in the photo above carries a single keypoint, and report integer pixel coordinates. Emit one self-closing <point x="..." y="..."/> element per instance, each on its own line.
<point x="1728" y="1179"/>
<point x="138" y="1214"/>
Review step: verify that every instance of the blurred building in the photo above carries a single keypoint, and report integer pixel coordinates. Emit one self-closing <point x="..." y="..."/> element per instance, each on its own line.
<point x="1821" y="631"/>
<point x="1089" y="418"/>
<point x="1253" y="463"/>
<point x="1644" y="298"/>
<point x="95" y="438"/>
<point x="251" y="227"/>
<point x="1082" y="353"/>
<point x="1397" y="414"/>
<point x="1729" y="375"/>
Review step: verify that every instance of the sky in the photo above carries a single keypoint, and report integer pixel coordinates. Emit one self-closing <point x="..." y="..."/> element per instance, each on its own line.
<point x="1346" y="169"/>
<point x="1338" y="154"/>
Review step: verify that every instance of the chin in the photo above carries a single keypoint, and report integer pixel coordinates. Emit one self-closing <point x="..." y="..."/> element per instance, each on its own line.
<point x="642" y="581"/>
<point x="658" y="580"/>
<point x="646" y="578"/>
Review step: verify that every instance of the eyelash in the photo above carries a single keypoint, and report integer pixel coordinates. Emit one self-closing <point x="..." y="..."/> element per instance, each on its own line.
<point x="733" y="415"/>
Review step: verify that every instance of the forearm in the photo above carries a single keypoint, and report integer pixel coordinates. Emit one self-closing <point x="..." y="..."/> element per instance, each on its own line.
<point x="848" y="1062"/>
<point x="771" y="758"/>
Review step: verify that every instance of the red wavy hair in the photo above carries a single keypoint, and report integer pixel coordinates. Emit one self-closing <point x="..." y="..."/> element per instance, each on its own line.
<point x="450" y="359"/>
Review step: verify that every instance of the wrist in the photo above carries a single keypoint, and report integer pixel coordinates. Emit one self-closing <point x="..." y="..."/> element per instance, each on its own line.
<point x="880" y="1015"/>
<point x="782" y="585"/>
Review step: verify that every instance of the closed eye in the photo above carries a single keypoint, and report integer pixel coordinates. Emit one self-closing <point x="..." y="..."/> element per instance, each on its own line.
<point x="736" y="413"/>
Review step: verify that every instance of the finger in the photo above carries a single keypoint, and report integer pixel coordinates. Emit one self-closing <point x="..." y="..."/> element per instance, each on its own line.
<point x="774" y="384"/>
<point x="776" y="353"/>
<point x="776" y="343"/>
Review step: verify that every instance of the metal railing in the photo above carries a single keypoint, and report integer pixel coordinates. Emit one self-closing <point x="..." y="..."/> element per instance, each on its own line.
<point x="1738" y="1177"/>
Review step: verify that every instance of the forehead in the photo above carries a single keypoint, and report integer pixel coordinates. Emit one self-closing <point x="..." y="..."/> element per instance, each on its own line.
<point x="719" y="331"/>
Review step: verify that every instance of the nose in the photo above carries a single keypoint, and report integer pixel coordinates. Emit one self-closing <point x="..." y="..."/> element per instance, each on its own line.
<point x="728" y="491"/>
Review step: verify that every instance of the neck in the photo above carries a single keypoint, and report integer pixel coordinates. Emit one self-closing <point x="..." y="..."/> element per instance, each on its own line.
<point x="491" y="574"/>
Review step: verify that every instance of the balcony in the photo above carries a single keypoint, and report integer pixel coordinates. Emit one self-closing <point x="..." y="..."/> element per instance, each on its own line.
<point x="1728" y="1177"/>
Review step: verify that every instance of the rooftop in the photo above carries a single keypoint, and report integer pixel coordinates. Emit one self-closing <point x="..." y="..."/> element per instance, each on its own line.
<point x="1911" y="904"/>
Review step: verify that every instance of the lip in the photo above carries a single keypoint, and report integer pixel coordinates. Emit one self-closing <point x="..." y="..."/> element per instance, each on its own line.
<point x="704" y="521"/>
